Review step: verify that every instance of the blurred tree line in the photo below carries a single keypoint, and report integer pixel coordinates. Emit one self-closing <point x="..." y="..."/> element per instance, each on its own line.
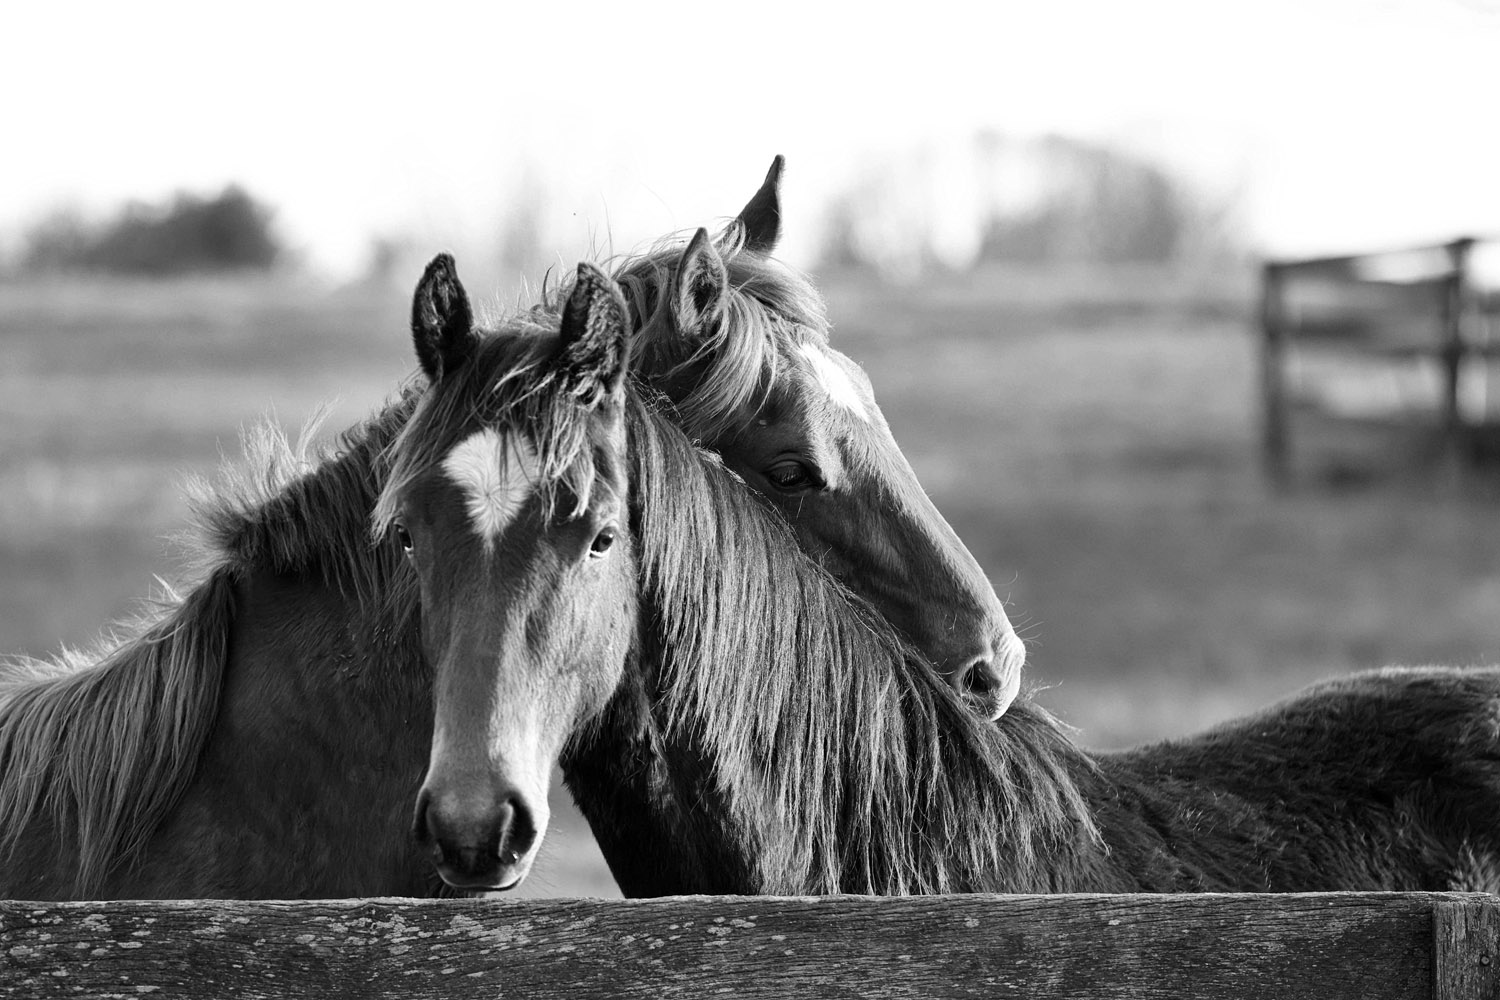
<point x="945" y="206"/>
<point x="230" y="231"/>
<point x="1044" y="201"/>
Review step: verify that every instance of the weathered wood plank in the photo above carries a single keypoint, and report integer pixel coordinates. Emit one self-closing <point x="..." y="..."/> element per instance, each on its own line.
<point x="1466" y="949"/>
<point x="1325" y="946"/>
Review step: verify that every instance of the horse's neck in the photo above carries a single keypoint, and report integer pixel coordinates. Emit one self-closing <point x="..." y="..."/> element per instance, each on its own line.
<point x="337" y="606"/>
<point x="670" y="819"/>
<point x="306" y="785"/>
<point x="648" y="790"/>
<point x="659" y="820"/>
<point x="859" y="774"/>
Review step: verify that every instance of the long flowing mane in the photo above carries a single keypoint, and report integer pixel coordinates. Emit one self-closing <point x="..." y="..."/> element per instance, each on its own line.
<point x="820" y="724"/>
<point x="104" y="744"/>
<point x="768" y="311"/>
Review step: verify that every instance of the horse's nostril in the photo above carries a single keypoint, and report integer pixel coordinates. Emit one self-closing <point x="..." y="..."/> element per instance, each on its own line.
<point x="988" y="683"/>
<point x="421" y="823"/>
<point x="517" y="831"/>
<point x="979" y="678"/>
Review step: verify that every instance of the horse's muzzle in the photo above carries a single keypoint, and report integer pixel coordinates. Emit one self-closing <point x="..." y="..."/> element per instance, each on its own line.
<point x="484" y="848"/>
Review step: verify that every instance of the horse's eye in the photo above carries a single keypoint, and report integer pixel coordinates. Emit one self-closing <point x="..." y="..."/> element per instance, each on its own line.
<point x="793" y="477"/>
<point x="602" y="542"/>
<point x="404" y="537"/>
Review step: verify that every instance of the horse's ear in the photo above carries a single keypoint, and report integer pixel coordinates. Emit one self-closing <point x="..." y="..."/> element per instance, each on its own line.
<point x="592" y="351"/>
<point x="702" y="283"/>
<point x="761" y="216"/>
<point x="442" y="324"/>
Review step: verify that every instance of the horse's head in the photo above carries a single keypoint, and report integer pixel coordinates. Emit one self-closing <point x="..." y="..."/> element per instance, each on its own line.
<point x="507" y="492"/>
<point x="740" y="343"/>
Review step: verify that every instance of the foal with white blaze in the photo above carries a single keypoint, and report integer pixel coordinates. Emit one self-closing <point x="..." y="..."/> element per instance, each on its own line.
<point x="508" y="509"/>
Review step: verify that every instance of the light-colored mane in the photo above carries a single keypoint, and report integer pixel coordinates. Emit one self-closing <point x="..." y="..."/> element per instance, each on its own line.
<point x="769" y="310"/>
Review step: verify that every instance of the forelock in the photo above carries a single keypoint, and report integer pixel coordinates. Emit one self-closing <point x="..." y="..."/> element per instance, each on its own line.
<point x="509" y="389"/>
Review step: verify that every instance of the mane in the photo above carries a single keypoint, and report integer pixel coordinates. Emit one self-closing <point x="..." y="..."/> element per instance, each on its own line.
<point x="769" y="310"/>
<point x="105" y="743"/>
<point x="291" y="509"/>
<point x="822" y="726"/>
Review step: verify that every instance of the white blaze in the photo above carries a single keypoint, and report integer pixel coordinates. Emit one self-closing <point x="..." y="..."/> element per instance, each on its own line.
<point x="835" y="381"/>
<point x="495" y="481"/>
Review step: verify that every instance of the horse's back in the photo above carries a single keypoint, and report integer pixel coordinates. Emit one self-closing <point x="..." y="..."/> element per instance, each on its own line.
<point x="1388" y="779"/>
<point x="1402" y="715"/>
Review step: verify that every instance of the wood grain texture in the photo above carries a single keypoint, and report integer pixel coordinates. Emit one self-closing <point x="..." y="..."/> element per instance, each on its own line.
<point x="1325" y="946"/>
<point x="1466" y="949"/>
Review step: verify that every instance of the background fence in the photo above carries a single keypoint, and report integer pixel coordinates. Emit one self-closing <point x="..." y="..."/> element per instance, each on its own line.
<point x="1397" y="341"/>
<point x="1320" y="945"/>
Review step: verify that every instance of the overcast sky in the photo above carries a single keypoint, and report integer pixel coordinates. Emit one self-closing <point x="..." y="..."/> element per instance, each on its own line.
<point x="1340" y="125"/>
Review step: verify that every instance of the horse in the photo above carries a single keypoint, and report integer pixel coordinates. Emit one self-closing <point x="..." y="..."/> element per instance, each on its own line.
<point x="741" y="345"/>
<point x="733" y="720"/>
<point x="220" y="750"/>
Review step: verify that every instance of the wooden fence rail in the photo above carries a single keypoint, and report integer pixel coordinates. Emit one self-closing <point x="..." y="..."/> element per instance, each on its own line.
<point x="1319" y="945"/>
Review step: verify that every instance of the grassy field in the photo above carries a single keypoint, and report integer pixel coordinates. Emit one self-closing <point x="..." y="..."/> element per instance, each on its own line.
<point x="1092" y="440"/>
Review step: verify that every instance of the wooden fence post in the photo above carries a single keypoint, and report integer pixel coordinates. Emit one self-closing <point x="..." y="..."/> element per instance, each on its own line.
<point x="1273" y="375"/>
<point x="1454" y="349"/>
<point x="1466" y="949"/>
